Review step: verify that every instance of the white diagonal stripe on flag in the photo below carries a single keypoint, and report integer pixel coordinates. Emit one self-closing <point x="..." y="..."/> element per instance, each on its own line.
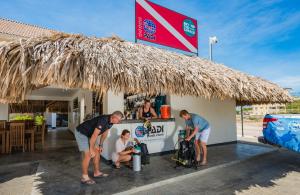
<point x="167" y="25"/>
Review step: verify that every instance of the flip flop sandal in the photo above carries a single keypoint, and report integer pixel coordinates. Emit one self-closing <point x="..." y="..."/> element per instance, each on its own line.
<point x="101" y="175"/>
<point x="87" y="182"/>
<point x="116" y="167"/>
<point x="203" y="164"/>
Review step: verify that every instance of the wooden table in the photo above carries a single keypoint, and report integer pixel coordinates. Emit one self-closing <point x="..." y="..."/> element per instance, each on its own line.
<point x="30" y="130"/>
<point x="6" y="139"/>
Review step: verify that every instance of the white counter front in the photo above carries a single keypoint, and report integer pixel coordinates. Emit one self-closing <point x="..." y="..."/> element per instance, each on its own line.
<point x="162" y="137"/>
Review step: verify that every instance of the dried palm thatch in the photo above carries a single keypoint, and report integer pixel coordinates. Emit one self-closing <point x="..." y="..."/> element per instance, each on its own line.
<point x="76" y="61"/>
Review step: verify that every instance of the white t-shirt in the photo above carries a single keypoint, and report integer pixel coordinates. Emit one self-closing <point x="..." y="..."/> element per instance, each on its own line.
<point x="120" y="146"/>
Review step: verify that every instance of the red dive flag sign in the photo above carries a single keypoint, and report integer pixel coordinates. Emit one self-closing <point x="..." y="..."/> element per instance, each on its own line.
<point x="163" y="26"/>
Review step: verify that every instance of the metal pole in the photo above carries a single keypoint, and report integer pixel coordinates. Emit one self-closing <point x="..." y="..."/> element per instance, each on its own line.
<point x="135" y="40"/>
<point x="210" y="50"/>
<point x="242" y="119"/>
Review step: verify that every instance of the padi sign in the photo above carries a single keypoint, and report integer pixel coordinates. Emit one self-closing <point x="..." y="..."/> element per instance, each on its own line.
<point x="155" y="132"/>
<point x="160" y="25"/>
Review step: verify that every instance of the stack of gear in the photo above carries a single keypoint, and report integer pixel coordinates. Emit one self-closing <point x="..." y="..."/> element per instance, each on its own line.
<point x="186" y="154"/>
<point x="144" y="154"/>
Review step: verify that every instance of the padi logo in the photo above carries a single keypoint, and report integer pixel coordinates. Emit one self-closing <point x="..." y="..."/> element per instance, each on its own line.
<point x="140" y="131"/>
<point x="156" y="131"/>
<point x="150" y="29"/>
<point x="189" y="27"/>
<point x="149" y="26"/>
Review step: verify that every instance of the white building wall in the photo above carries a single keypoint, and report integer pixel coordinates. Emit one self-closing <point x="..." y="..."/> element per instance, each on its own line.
<point x="220" y="114"/>
<point x="85" y="103"/>
<point x="3" y="111"/>
<point x="113" y="102"/>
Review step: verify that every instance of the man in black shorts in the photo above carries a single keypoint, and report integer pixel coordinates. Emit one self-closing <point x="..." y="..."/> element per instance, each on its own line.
<point x="86" y="135"/>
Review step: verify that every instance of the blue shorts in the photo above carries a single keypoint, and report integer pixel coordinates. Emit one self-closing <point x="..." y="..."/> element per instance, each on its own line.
<point x="203" y="135"/>
<point x="83" y="141"/>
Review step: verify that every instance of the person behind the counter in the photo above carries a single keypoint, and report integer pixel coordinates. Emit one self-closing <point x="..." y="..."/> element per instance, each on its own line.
<point x="146" y="111"/>
<point x="90" y="145"/>
<point x="124" y="149"/>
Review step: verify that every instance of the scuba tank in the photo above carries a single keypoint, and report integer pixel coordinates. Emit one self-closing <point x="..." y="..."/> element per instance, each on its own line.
<point x="137" y="159"/>
<point x="181" y="135"/>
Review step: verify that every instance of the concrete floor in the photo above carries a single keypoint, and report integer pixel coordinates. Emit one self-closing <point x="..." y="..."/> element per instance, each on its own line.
<point x="275" y="173"/>
<point x="57" y="170"/>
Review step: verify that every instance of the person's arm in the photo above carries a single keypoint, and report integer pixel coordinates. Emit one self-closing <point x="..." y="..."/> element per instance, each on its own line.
<point x="137" y="141"/>
<point x="125" y="152"/>
<point x="196" y="125"/>
<point x="119" y="150"/>
<point x="196" y="129"/>
<point x="187" y="131"/>
<point x="141" y="113"/>
<point x="153" y="113"/>
<point x="102" y="139"/>
<point x="93" y="141"/>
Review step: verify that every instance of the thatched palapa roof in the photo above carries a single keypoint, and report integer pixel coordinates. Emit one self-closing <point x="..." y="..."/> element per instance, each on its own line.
<point x="76" y="61"/>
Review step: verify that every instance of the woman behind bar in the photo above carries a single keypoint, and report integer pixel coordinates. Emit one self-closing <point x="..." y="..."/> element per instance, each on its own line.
<point x="146" y="111"/>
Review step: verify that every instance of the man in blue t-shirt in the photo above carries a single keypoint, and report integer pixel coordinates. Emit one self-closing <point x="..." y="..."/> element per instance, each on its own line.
<point x="199" y="126"/>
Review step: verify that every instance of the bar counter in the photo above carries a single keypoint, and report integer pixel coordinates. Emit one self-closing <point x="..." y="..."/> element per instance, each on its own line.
<point x="161" y="137"/>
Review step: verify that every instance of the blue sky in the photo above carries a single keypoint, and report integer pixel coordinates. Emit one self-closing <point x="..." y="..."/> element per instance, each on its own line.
<point x="257" y="37"/>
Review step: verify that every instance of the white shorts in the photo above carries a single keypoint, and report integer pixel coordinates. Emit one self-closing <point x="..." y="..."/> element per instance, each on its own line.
<point x="203" y="135"/>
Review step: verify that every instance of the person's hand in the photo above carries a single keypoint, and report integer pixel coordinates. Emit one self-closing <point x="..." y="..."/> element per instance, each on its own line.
<point x="99" y="149"/>
<point x="136" y="140"/>
<point x="188" y="139"/>
<point x="132" y="150"/>
<point x="92" y="153"/>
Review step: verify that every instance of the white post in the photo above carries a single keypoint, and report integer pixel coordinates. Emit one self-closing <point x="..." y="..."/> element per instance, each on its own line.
<point x="82" y="106"/>
<point x="210" y="51"/>
<point x="212" y="40"/>
<point x="242" y="120"/>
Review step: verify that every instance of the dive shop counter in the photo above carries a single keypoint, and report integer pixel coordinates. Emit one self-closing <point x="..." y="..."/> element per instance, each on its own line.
<point x="160" y="137"/>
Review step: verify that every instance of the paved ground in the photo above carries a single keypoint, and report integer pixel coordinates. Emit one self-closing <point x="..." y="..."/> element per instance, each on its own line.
<point x="251" y="129"/>
<point x="275" y="173"/>
<point x="57" y="171"/>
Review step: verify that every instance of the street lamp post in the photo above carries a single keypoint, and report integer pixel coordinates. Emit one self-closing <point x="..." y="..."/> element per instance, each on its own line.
<point x="212" y="40"/>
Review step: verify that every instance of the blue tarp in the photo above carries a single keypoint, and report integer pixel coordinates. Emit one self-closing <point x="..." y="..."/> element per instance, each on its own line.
<point x="285" y="131"/>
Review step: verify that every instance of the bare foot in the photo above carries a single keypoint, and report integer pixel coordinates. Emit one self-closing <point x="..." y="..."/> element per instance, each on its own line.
<point x="117" y="165"/>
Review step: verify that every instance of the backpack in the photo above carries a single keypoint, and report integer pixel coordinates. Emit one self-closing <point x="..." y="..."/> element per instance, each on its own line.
<point x="145" y="158"/>
<point x="186" y="154"/>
